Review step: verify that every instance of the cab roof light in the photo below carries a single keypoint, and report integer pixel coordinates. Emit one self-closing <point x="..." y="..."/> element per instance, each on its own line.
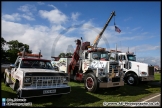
<point x="30" y="55"/>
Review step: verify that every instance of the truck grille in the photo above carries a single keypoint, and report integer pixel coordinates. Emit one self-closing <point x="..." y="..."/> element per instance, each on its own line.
<point x="151" y="70"/>
<point x="46" y="81"/>
<point x="115" y="79"/>
<point x="113" y="66"/>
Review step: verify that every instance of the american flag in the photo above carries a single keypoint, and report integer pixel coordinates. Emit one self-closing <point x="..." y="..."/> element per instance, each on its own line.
<point x="117" y="29"/>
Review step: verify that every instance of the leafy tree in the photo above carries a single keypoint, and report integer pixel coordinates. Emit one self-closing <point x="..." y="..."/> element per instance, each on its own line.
<point x="112" y="58"/>
<point x="14" y="47"/>
<point x="3" y="52"/>
<point x="3" y="42"/>
<point x="65" y="55"/>
<point x="62" y="55"/>
<point x="68" y="54"/>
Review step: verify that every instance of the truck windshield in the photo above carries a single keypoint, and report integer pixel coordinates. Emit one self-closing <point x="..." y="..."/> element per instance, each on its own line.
<point x="100" y="55"/>
<point x="36" y="64"/>
<point x="131" y="57"/>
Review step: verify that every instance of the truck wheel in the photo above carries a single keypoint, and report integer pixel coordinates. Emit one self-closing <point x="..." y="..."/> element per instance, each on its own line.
<point x="90" y="83"/>
<point x="18" y="94"/>
<point x="132" y="79"/>
<point x="5" y="82"/>
<point x="16" y="88"/>
<point x="16" y="85"/>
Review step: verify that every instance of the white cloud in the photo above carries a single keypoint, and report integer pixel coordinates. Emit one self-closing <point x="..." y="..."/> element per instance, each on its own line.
<point x="40" y="3"/>
<point x="150" y="60"/>
<point x="127" y="19"/>
<point x="52" y="6"/>
<point x="145" y="47"/>
<point x="45" y="38"/>
<point x="8" y="29"/>
<point x="16" y="17"/>
<point x="27" y="17"/>
<point x="144" y="33"/>
<point x="13" y="17"/>
<point x="127" y="28"/>
<point x="139" y="48"/>
<point x="66" y="5"/>
<point x="27" y="8"/>
<point x="136" y="28"/>
<point x="54" y="16"/>
<point x="37" y="37"/>
<point x="74" y="16"/>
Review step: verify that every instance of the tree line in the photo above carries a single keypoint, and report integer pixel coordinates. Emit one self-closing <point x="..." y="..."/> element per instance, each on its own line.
<point x="9" y="55"/>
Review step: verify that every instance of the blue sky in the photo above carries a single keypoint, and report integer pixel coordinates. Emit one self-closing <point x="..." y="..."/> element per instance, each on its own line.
<point x="39" y="24"/>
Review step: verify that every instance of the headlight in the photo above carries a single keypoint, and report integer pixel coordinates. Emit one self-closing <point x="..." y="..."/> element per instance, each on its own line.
<point x="143" y="73"/>
<point x="101" y="72"/>
<point x="27" y="79"/>
<point x="64" y="79"/>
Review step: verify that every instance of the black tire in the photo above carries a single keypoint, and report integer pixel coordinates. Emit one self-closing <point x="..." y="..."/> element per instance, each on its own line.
<point x="16" y="85"/>
<point x="5" y="82"/>
<point x="18" y="94"/>
<point x="16" y="88"/>
<point x="90" y="83"/>
<point x="132" y="79"/>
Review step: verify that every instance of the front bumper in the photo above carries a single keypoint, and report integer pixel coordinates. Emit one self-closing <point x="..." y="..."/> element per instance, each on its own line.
<point x="28" y="93"/>
<point x="111" y="84"/>
<point x="148" y="78"/>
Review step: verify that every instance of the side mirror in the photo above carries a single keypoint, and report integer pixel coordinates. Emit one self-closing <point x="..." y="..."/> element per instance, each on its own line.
<point x="12" y="66"/>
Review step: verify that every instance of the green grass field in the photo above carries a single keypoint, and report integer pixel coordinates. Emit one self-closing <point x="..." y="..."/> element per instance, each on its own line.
<point x="157" y="76"/>
<point x="80" y="97"/>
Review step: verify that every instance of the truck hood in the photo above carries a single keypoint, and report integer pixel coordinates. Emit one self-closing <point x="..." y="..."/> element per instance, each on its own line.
<point x="38" y="70"/>
<point x="139" y="63"/>
<point x="139" y="67"/>
<point x="98" y="64"/>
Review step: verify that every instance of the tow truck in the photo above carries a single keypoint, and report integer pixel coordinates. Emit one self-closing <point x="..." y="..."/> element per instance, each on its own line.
<point x="91" y="65"/>
<point x="134" y="72"/>
<point x="32" y="76"/>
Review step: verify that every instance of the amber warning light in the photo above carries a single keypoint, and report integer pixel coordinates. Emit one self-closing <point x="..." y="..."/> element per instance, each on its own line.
<point x="30" y="55"/>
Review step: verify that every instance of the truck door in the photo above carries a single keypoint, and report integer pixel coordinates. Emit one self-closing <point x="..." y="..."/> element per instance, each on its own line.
<point x="14" y="70"/>
<point x="124" y="61"/>
<point x="86" y="61"/>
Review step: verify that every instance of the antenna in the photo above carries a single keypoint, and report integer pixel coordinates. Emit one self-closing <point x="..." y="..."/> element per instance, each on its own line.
<point x="40" y="54"/>
<point x="120" y="46"/>
<point x="80" y="50"/>
<point x="128" y="49"/>
<point x="81" y="38"/>
<point x="23" y="52"/>
<point x="17" y="45"/>
<point x="116" y="47"/>
<point x="116" y="52"/>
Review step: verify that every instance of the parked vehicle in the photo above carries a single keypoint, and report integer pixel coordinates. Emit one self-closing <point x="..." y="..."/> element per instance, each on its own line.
<point x="32" y="76"/>
<point x="134" y="71"/>
<point x="91" y="64"/>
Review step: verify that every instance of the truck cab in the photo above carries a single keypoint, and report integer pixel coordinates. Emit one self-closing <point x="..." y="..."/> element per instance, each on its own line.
<point x="91" y="64"/>
<point x="31" y="76"/>
<point x="135" y="71"/>
<point x="94" y="69"/>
